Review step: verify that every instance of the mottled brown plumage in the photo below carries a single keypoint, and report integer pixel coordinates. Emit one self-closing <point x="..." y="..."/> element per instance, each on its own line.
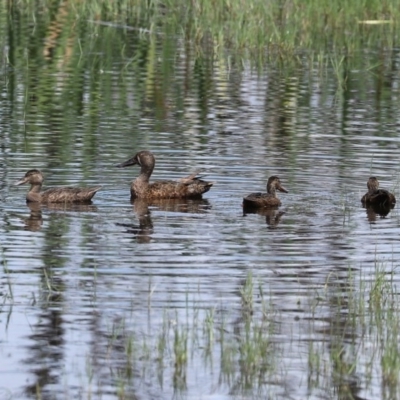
<point x="189" y="187"/>
<point x="269" y="199"/>
<point x="54" y="195"/>
<point x="376" y="196"/>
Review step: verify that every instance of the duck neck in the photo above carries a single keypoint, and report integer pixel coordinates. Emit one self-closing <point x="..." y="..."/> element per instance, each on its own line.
<point x="145" y="173"/>
<point x="271" y="190"/>
<point x="34" y="193"/>
<point x="372" y="189"/>
<point x="141" y="183"/>
<point x="35" y="188"/>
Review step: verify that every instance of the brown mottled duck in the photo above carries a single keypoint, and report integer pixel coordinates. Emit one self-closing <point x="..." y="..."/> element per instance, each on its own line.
<point x="189" y="187"/>
<point x="376" y="196"/>
<point x="55" y="195"/>
<point x="269" y="199"/>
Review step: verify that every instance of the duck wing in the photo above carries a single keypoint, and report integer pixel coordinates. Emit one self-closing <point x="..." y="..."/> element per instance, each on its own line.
<point x="69" y="194"/>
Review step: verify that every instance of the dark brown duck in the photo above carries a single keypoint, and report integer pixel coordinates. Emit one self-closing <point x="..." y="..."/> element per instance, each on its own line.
<point x="54" y="195"/>
<point x="189" y="187"/>
<point x="376" y="196"/>
<point x="269" y="199"/>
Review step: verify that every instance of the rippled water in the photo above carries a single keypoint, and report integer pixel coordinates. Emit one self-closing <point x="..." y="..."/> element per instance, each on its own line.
<point x="89" y="292"/>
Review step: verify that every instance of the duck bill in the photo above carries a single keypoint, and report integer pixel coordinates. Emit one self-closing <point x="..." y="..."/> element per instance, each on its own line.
<point x="20" y="182"/>
<point x="127" y="163"/>
<point x="282" y="189"/>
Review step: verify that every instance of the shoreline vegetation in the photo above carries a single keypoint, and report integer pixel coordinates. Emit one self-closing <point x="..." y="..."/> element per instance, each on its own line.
<point x="319" y="36"/>
<point x="99" y="44"/>
<point x="255" y="29"/>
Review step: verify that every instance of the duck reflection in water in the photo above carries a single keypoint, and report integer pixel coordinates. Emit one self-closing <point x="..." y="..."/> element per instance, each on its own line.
<point x="34" y="222"/>
<point x="143" y="207"/>
<point x="272" y="215"/>
<point x="191" y="206"/>
<point x="144" y="230"/>
<point x="373" y="211"/>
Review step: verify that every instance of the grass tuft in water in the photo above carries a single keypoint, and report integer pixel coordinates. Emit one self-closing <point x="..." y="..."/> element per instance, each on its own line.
<point x="180" y="351"/>
<point x="247" y="293"/>
<point x="9" y="284"/>
<point x="350" y="324"/>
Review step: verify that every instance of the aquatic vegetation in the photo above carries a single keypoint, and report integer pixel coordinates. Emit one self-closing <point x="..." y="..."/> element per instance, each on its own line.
<point x="9" y="283"/>
<point x="353" y="325"/>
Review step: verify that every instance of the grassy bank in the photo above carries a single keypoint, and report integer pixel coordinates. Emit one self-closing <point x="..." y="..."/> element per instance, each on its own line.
<point x="73" y="43"/>
<point x="245" y="27"/>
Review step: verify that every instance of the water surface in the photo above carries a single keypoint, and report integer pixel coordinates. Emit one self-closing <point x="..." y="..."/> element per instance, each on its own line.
<point x="148" y="300"/>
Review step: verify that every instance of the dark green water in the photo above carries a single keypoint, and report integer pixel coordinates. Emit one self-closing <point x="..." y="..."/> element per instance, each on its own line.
<point x="101" y="301"/>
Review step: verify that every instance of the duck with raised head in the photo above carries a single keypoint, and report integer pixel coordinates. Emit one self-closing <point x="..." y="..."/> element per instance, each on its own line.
<point x="54" y="195"/>
<point x="269" y="199"/>
<point x="189" y="187"/>
<point x="376" y="196"/>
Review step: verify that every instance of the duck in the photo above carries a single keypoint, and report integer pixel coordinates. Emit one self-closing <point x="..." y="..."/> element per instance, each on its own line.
<point x="376" y="196"/>
<point x="269" y="199"/>
<point x="189" y="187"/>
<point x="54" y="195"/>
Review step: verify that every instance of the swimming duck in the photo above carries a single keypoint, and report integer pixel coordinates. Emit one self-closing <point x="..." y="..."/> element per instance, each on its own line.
<point x="189" y="187"/>
<point x="258" y="200"/>
<point x="54" y="195"/>
<point x="376" y="196"/>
